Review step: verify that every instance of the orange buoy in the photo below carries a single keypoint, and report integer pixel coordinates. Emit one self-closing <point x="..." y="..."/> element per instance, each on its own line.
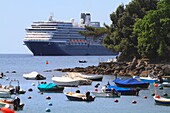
<point x="116" y="100"/>
<point x="48" y="98"/>
<point x="7" y="110"/>
<point x="46" y="62"/>
<point x="145" y="97"/>
<point x="157" y="96"/>
<point x="134" y="102"/>
<point x="29" y="97"/>
<point x="155" y="85"/>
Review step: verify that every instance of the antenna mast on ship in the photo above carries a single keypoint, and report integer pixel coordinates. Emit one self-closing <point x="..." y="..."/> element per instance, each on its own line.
<point x="51" y="17"/>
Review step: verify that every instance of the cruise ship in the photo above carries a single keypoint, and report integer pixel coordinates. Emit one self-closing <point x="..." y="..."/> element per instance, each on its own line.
<point x="60" y="38"/>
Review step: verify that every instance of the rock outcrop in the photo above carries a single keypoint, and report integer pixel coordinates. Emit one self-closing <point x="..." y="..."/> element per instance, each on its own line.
<point x="141" y="68"/>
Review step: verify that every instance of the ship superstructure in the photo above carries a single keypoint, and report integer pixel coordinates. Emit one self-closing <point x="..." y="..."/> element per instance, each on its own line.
<point x="56" y="38"/>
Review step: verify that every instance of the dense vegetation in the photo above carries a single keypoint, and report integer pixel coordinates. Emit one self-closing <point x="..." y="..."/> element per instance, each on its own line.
<point x="153" y="33"/>
<point x="141" y="29"/>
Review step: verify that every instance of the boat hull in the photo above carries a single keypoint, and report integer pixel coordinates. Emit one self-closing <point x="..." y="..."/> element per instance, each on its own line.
<point x="161" y="100"/>
<point x="105" y="95"/>
<point x="5" y="95"/>
<point x="81" y="97"/>
<point x="54" y="89"/>
<point x="131" y="83"/>
<point x="47" y="48"/>
<point x="121" y="90"/>
<point x="143" y="86"/>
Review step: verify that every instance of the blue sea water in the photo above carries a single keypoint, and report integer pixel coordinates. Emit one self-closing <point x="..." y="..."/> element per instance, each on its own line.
<point x="26" y="63"/>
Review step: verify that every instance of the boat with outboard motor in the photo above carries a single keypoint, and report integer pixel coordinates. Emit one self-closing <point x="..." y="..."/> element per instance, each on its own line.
<point x="77" y="96"/>
<point x="161" y="100"/>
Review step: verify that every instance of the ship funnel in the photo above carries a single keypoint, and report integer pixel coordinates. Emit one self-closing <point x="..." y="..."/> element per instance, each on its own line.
<point x="87" y="19"/>
<point x="72" y="20"/>
<point x="51" y="17"/>
<point x="83" y="17"/>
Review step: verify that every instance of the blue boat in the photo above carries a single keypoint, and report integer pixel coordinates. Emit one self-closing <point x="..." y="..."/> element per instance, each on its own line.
<point x="124" y="91"/>
<point x="50" y="87"/>
<point x="130" y="83"/>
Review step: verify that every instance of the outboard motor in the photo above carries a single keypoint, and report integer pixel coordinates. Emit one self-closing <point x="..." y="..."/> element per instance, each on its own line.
<point x="78" y="91"/>
<point x="88" y="94"/>
<point x="16" y="103"/>
<point x="137" y="91"/>
<point x="17" y="88"/>
<point x="12" y="90"/>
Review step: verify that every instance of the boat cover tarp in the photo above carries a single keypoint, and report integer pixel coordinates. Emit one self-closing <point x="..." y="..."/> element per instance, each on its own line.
<point x="31" y="75"/>
<point x="130" y="81"/>
<point x="46" y="86"/>
<point x="119" y="89"/>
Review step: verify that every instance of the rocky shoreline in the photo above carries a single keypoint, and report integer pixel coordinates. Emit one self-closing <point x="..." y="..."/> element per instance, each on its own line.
<point x="137" y="67"/>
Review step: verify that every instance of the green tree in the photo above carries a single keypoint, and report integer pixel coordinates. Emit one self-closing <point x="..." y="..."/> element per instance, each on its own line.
<point x="153" y="33"/>
<point x="123" y="19"/>
<point x="95" y="33"/>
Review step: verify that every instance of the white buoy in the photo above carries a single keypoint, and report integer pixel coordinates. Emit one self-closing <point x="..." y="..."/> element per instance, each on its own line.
<point x="47" y="110"/>
<point x="50" y="104"/>
<point x="33" y="84"/>
<point x="7" y="78"/>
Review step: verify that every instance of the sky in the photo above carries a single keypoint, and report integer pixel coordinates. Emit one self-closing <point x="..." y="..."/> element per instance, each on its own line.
<point x="16" y="15"/>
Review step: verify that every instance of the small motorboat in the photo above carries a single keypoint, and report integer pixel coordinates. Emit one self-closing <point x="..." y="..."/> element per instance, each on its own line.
<point x="34" y="76"/>
<point x="50" y="87"/>
<point x="124" y="91"/>
<point x="131" y="83"/>
<point x="82" y="81"/>
<point x="65" y="81"/>
<point x="5" y="93"/>
<point x="161" y="100"/>
<point x="82" y="61"/>
<point x="92" y="77"/>
<point x="147" y="79"/>
<point x="76" y="96"/>
<point x="166" y="84"/>
<point x="13" y="89"/>
<point x="15" y="103"/>
<point x="106" y="93"/>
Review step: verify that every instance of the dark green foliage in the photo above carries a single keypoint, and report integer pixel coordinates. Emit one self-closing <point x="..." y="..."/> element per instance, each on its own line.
<point x="123" y="20"/>
<point x="93" y="32"/>
<point x="141" y="29"/>
<point x="154" y="33"/>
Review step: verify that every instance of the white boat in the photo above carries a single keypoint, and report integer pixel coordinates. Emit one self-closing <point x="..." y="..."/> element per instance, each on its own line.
<point x="93" y="78"/>
<point x="161" y="100"/>
<point x="5" y="93"/>
<point x="10" y="103"/>
<point x="104" y="93"/>
<point x="73" y="96"/>
<point x="65" y="81"/>
<point x="166" y="84"/>
<point x="33" y="76"/>
<point x="147" y="79"/>
<point x="82" y="81"/>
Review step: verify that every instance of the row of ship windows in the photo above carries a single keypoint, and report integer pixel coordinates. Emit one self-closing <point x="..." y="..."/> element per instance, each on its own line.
<point x="58" y="27"/>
